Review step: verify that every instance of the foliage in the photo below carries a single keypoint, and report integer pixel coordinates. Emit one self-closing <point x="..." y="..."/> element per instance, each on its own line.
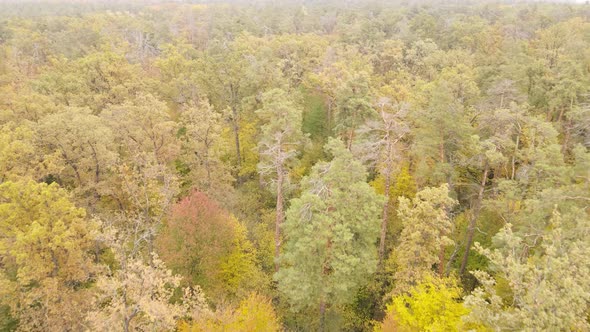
<point x="432" y="305"/>
<point x="138" y="296"/>
<point x="200" y="132"/>
<point x="208" y="246"/>
<point x="425" y="234"/>
<point x="182" y="129"/>
<point x="47" y="266"/>
<point x="254" y="313"/>
<point x="331" y="230"/>
<point x="540" y="285"/>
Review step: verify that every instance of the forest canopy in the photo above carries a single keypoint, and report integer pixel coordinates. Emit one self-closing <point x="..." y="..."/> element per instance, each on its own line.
<point x="294" y="166"/>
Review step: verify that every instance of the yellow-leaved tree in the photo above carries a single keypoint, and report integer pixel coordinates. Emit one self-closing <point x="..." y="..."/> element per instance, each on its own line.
<point x="45" y="255"/>
<point x="255" y="313"/>
<point x="432" y="305"/>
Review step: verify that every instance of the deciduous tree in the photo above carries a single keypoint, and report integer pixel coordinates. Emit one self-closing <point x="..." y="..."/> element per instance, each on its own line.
<point x="45" y="252"/>
<point x="426" y="231"/>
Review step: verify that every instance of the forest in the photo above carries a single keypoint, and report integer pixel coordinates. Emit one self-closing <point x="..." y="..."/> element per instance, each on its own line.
<point x="296" y="165"/>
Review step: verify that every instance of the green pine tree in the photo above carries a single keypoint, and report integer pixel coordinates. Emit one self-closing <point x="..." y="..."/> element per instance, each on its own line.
<point x="331" y="233"/>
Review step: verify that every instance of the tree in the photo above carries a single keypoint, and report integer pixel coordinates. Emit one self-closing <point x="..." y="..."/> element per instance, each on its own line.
<point x="331" y="231"/>
<point x="96" y="80"/>
<point x="208" y="247"/>
<point x="488" y="154"/>
<point x="254" y="313"/>
<point x="144" y="191"/>
<point x="381" y="146"/>
<point x="45" y="254"/>
<point x="353" y="102"/>
<point x="432" y="305"/>
<point x="139" y="296"/>
<point x="426" y="229"/>
<point x="143" y="125"/>
<point x="443" y="124"/>
<point x="79" y="151"/>
<point x="178" y="73"/>
<point x="200" y="133"/>
<point x="297" y="55"/>
<point x="144" y="187"/>
<point x="281" y="136"/>
<point x="231" y="74"/>
<point x="548" y="287"/>
<point x="17" y="152"/>
<point x="344" y="81"/>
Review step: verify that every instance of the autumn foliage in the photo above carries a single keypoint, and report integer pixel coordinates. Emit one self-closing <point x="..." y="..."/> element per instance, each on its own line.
<point x="206" y="245"/>
<point x="320" y="165"/>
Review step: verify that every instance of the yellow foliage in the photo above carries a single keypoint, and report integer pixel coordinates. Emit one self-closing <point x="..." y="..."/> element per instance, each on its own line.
<point x="248" y="141"/>
<point x="254" y="314"/>
<point x="433" y="305"/>
<point x="238" y="269"/>
<point x="46" y="262"/>
<point x="17" y="152"/>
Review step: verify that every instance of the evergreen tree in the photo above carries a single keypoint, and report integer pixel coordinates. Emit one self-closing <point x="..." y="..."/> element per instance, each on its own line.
<point x="548" y="288"/>
<point x="331" y="232"/>
<point x="281" y="136"/>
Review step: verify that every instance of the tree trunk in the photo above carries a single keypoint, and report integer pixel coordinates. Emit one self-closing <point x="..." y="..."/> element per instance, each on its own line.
<point x="279" y="217"/>
<point x="96" y="195"/>
<point x="452" y="259"/>
<point x="206" y="161"/>
<point x="562" y="112"/>
<point x="72" y="164"/>
<point x="566" y="137"/>
<point x="387" y="175"/>
<point x="441" y="253"/>
<point x="127" y="320"/>
<point x="236" y="130"/>
<point x="55" y="262"/>
<point x="384" y="220"/>
<point x="514" y="156"/>
<point x="208" y="169"/>
<point x="441" y="261"/>
<point x="322" y="315"/>
<point x="329" y="116"/>
<point x="566" y="128"/>
<point x="126" y="325"/>
<point x="350" y="138"/>
<point x="472" y="222"/>
<point x="150" y="241"/>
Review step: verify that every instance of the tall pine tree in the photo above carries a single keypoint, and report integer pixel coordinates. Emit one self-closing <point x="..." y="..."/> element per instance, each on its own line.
<point x="331" y="232"/>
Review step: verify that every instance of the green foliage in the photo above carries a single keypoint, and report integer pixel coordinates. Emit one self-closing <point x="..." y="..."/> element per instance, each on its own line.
<point x="314" y="118"/>
<point x="200" y="164"/>
<point x="426" y="232"/>
<point x="548" y="288"/>
<point x="131" y="107"/>
<point x="281" y="134"/>
<point x="7" y="322"/>
<point x="403" y="186"/>
<point x="331" y="230"/>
